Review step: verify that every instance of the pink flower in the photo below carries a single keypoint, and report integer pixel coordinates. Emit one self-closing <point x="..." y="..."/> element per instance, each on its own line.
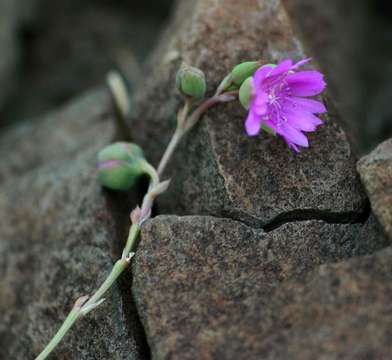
<point x="279" y="102"/>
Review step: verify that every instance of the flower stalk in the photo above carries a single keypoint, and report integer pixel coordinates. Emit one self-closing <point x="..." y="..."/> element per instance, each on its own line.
<point x="139" y="215"/>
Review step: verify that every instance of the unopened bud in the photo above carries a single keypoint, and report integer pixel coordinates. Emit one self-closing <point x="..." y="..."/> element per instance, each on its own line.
<point x="191" y="82"/>
<point x="246" y="92"/>
<point x="119" y="165"/>
<point x="244" y="70"/>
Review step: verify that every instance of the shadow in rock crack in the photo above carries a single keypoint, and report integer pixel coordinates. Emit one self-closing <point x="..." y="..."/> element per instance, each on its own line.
<point x="120" y="205"/>
<point x="314" y="214"/>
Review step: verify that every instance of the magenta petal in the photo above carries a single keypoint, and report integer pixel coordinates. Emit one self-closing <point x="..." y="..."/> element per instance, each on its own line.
<point x="259" y="104"/>
<point x="252" y="124"/>
<point x="282" y="67"/>
<point x="293" y="135"/>
<point x="305" y="83"/>
<point x="302" y="120"/>
<point x="291" y="145"/>
<point x="260" y="75"/>
<point x="300" y="63"/>
<point x="309" y="105"/>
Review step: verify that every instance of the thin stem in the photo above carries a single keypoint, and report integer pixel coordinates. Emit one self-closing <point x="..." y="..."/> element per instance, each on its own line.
<point x="67" y="324"/>
<point x="176" y="138"/>
<point x="225" y="83"/>
<point x="131" y="241"/>
<point x="152" y="173"/>
<point x="78" y="309"/>
<point x="117" y="270"/>
<point x="82" y="306"/>
<point x="196" y="115"/>
<point x="185" y="125"/>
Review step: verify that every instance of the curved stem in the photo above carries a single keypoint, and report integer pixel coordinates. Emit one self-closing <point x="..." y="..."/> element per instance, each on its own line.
<point x="196" y="115"/>
<point x="152" y="173"/>
<point x="117" y="270"/>
<point x="67" y="324"/>
<point x="177" y="136"/>
<point x="131" y="241"/>
<point x="82" y="306"/>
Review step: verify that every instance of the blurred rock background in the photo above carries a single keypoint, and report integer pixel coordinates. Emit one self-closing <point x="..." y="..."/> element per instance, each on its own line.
<point x="274" y="255"/>
<point x="54" y="50"/>
<point x="51" y="51"/>
<point x="352" y="40"/>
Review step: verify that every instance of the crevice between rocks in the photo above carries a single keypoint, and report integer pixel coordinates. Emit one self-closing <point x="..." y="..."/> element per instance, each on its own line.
<point x="329" y="217"/>
<point x="120" y="206"/>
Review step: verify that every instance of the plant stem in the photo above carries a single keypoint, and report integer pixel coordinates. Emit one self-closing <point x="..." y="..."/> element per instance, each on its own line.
<point x="117" y="270"/>
<point x="82" y="306"/>
<point x="177" y="136"/>
<point x="131" y="241"/>
<point x="81" y="309"/>
<point x="68" y="322"/>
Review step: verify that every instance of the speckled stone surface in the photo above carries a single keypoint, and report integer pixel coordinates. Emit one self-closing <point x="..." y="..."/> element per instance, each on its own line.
<point x="60" y="234"/>
<point x="376" y="174"/>
<point x="220" y="171"/>
<point x="209" y="288"/>
<point x="205" y="287"/>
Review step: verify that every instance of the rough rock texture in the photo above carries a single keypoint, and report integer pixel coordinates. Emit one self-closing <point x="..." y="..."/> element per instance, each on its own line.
<point x="284" y="275"/>
<point x="59" y="236"/>
<point x="376" y="174"/>
<point x="209" y="288"/>
<point x="220" y="171"/>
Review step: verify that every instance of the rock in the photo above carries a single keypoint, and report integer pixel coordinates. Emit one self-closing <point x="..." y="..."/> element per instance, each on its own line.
<point x="209" y="288"/>
<point x="376" y="174"/>
<point x="12" y="14"/>
<point x="220" y="171"/>
<point x="60" y="234"/>
<point x="66" y="47"/>
<point x="58" y="136"/>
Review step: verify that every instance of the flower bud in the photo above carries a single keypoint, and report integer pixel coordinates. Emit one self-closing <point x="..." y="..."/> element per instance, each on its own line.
<point x="119" y="165"/>
<point x="244" y="70"/>
<point x="246" y="92"/>
<point x="191" y="82"/>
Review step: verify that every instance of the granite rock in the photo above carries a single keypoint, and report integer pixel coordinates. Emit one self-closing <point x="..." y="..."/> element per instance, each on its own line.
<point x="375" y="170"/>
<point x="219" y="171"/>
<point x="210" y="288"/>
<point x="60" y="234"/>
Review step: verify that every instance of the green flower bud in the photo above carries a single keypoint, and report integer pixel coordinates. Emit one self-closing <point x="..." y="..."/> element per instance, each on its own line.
<point x="244" y="70"/>
<point x="191" y="82"/>
<point x="246" y="92"/>
<point x="119" y="165"/>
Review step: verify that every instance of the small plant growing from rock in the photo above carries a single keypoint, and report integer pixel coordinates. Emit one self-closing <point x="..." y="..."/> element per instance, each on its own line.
<point x="276" y="97"/>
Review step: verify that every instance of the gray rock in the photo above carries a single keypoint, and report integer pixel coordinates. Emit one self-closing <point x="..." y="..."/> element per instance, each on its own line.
<point x="219" y="170"/>
<point x="60" y="234"/>
<point x="57" y="136"/>
<point x="205" y="287"/>
<point x="63" y="48"/>
<point x="12" y="14"/>
<point x="376" y="174"/>
<point x="209" y="288"/>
